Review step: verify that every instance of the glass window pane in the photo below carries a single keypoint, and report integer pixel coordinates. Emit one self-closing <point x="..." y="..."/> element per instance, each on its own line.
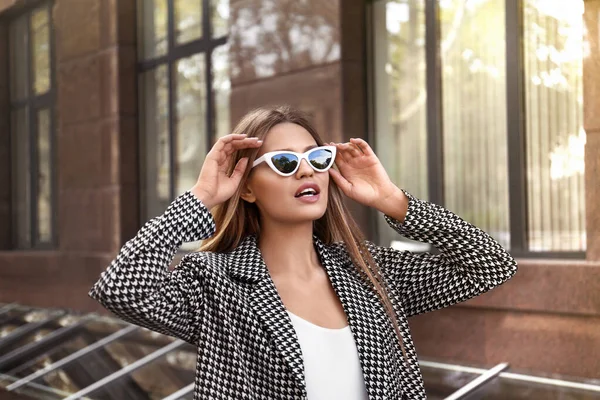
<point x="19" y="65"/>
<point x="188" y="20"/>
<point x="219" y="17"/>
<point x="155" y="135"/>
<point x="400" y="102"/>
<point x="40" y="42"/>
<point x="401" y="96"/>
<point x="553" y="46"/>
<point x="44" y="177"/>
<point x="152" y="20"/>
<point x="474" y="113"/>
<point x="221" y="90"/>
<point x="191" y="120"/>
<point x="21" y="173"/>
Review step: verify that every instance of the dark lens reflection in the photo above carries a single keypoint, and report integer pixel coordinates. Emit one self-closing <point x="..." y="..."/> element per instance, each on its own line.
<point x="285" y="163"/>
<point x="320" y="158"/>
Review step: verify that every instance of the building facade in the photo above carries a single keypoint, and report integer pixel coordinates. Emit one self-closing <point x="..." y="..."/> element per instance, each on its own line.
<point x="107" y="108"/>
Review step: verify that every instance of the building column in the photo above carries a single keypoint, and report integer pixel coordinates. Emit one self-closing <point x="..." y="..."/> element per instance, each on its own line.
<point x="591" y="123"/>
<point x="97" y="124"/>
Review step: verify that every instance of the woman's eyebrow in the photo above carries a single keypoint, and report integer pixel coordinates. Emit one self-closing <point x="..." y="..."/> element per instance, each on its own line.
<point x="312" y="146"/>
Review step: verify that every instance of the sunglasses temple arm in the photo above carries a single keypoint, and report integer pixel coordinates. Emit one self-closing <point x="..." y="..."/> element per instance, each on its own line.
<point x="258" y="161"/>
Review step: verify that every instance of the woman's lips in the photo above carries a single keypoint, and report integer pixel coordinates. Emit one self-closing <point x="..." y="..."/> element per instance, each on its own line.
<point x="309" y="199"/>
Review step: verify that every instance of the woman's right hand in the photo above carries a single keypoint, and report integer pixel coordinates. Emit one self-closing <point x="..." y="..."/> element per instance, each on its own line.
<point x="214" y="185"/>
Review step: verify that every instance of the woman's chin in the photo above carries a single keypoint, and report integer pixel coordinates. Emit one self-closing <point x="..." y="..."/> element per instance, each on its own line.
<point x="307" y="214"/>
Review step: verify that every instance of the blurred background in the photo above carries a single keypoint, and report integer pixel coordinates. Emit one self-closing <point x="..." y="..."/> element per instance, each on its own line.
<point x="487" y="107"/>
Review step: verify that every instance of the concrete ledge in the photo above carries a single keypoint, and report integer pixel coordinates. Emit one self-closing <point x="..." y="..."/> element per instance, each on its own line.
<point x="548" y="286"/>
<point x="530" y="342"/>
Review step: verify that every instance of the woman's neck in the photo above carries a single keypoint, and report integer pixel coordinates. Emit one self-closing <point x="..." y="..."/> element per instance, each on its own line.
<point x="288" y="250"/>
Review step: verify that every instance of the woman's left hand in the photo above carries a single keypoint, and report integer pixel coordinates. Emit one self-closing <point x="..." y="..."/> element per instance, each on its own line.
<point x="362" y="177"/>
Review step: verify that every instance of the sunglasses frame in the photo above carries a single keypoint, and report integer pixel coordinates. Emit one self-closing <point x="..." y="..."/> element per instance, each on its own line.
<point x="267" y="157"/>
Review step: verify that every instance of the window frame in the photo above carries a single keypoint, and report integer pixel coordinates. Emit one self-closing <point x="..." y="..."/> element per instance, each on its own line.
<point x="206" y="44"/>
<point x="515" y="115"/>
<point x="33" y="104"/>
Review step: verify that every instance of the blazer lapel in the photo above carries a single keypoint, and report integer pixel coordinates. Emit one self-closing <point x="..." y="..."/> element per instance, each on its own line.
<point x="366" y="316"/>
<point x="363" y="309"/>
<point x="248" y="265"/>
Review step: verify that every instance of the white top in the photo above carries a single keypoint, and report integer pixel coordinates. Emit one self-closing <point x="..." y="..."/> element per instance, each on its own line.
<point x="331" y="364"/>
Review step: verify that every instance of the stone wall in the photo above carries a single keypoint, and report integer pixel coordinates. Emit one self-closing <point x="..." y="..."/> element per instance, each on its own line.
<point x="97" y="155"/>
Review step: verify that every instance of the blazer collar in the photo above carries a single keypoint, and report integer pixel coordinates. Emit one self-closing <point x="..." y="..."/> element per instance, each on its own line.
<point x="366" y="315"/>
<point x="246" y="263"/>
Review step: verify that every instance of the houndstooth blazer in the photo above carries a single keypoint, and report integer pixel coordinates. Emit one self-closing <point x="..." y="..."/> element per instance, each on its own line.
<point x="227" y="305"/>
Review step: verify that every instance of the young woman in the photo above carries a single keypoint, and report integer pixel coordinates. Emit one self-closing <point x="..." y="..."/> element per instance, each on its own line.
<point x="286" y="300"/>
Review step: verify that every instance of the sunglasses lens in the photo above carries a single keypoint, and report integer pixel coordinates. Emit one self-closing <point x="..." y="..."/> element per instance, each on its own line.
<point x="321" y="159"/>
<point x="285" y="163"/>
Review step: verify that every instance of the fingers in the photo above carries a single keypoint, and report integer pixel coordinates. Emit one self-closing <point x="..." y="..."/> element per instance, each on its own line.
<point x="244" y="143"/>
<point x="350" y="150"/>
<point x="229" y="144"/>
<point x="339" y="158"/>
<point x="234" y="142"/>
<point x="240" y="167"/>
<point x="363" y="146"/>
<point x="340" y="181"/>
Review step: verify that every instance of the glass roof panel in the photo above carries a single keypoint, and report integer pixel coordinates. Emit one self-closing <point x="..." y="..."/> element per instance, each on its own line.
<point x="501" y="388"/>
<point x="10" y="319"/>
<point x="440" y="383"/>
<point x="22" y="329"/>
<point x="158" y="379"/>
<point x="77" y="334"/>
<point x="61" y="355"/>
<point x="104" y="361"/>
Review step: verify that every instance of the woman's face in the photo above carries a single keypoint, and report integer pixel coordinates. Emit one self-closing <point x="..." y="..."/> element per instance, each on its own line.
<point x="276" y="196"/>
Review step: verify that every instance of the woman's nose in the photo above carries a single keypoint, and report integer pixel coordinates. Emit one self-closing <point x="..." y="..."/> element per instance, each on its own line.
<point x="304" y="169"/>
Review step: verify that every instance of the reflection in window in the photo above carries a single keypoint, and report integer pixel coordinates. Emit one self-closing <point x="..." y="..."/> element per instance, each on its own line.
<point x="221" y="90"/>
<point x="184" y="108"/>
<point x="152" y="17"/>
<point x="191" y="115"/>
<point x="40" y="37"/>
<point x="220" y="17"/>
<point x="401" y="100"/>
<point x="44" y="170"/>
<point x="269" y="37"/>
<point x="31" y="98"/>
<point x="553" y="46"/>
<point x="188" y="20"/>
<point x="155" y="124"/>
<point x="474" y="113"/>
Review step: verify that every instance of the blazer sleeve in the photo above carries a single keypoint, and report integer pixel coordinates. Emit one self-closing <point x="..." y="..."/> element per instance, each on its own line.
<point x="469" y="263"/>
<point x="138" y="285"/>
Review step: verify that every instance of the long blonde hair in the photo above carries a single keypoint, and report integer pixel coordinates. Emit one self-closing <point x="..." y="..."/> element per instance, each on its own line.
<point x="236" y="219"/>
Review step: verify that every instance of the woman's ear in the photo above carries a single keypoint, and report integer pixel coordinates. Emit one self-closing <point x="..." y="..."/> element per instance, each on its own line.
<point x="247" y="194"/>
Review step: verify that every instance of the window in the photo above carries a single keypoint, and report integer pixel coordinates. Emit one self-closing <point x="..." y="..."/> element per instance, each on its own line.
<point x="478" y="107"/>
<point x="184" y="95"/>
<point x="32" y="128"/>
